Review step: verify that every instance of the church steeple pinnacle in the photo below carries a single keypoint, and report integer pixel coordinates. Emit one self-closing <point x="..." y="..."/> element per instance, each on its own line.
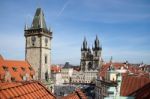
<point x="96" y="42"/>
<point x="38" y="20"/>
<point x="84" y="44"/>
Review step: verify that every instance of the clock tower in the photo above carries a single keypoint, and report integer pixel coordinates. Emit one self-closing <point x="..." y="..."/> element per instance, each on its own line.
<point x="38" y="46"/>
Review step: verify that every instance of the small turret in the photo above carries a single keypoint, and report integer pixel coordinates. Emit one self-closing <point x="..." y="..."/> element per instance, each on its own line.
<point x="81" y="48"/>
<point x="26" y="27"/>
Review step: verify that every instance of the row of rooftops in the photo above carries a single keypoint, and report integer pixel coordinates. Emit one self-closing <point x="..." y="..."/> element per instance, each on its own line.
<point x="129" y="68"/>
<point x="133" y="78"/>
<point x="17" y="81"/>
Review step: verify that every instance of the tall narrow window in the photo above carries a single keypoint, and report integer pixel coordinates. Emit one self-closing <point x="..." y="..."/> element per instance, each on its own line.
<point x="45" y="59"/>
<point x="96" y="54"/>
<point x="46" y="41"/>
<point x="33" y="38"/>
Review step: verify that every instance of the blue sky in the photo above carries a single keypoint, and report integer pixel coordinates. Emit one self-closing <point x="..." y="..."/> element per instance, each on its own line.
<point x="123" y="27"/>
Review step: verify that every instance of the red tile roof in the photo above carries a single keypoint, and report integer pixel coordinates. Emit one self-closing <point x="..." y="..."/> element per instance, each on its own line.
<point x="142" y="93"/>
<point x="78" y="94"/>
<point x="55" y="69"/>
<point x="128" y="67"/>
<point x="105" y="67"/>
<point x="132" y="83"/>
<point x="16" y="68"/>
<point x="28" y="90"/>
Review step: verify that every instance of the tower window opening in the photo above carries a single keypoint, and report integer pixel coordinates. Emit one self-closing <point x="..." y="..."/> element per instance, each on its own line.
<point x="46" y="41"/>
<point x="45" y="59"/>
<point x="96" y="54"/>
<point x="33" y="38"/>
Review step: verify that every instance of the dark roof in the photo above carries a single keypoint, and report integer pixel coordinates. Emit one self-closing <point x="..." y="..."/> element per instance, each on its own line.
<point x="39" y="21"/>
<point x="25" y="90"/>
<point x="67" y="65"/>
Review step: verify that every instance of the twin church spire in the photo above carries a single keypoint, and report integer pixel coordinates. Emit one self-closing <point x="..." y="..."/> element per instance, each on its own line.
<point x="84" y="47"/>
<point x="96" y="46"/>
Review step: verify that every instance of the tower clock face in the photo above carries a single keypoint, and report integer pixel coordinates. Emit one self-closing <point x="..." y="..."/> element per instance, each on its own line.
<point x="33" y="39"/>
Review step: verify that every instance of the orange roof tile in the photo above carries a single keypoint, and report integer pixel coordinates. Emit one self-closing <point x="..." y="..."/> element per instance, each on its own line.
<point x="132" y="83"/>
<point x="16" y="69"/>
<point x="142" y="93"/>
<point x="24" y="90"/>
<point x="78" y="94"/>
<point x="55" y="69"/>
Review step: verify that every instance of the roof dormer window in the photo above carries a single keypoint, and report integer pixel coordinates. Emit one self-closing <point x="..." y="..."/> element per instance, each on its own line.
<point x="12" y="78"/>
<point x="23" y="69"/>
<point x="14" y="68"/>
<point x="5" y="68"/>
<point x="31" y="68"/>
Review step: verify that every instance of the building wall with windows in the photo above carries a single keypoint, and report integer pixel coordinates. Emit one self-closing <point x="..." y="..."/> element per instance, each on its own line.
<point x="66" y="74"/>
<point x="38" y="46"/>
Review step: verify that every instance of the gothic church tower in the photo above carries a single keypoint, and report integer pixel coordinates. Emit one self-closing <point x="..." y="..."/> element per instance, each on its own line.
<point x="90" y="60"/>
<point x="38" y="46"/>
<point x="97" y="49"/>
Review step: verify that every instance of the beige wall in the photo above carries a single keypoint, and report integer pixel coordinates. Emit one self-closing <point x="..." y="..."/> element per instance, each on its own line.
<point x="37" y="53"/>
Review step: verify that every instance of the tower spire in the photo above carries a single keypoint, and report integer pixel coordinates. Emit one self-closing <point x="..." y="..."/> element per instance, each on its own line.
<point x="38" y="20"/>
<point x="81" y="48"/>
<point x="97" y="44"/>
<point x="84" y="44"/>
